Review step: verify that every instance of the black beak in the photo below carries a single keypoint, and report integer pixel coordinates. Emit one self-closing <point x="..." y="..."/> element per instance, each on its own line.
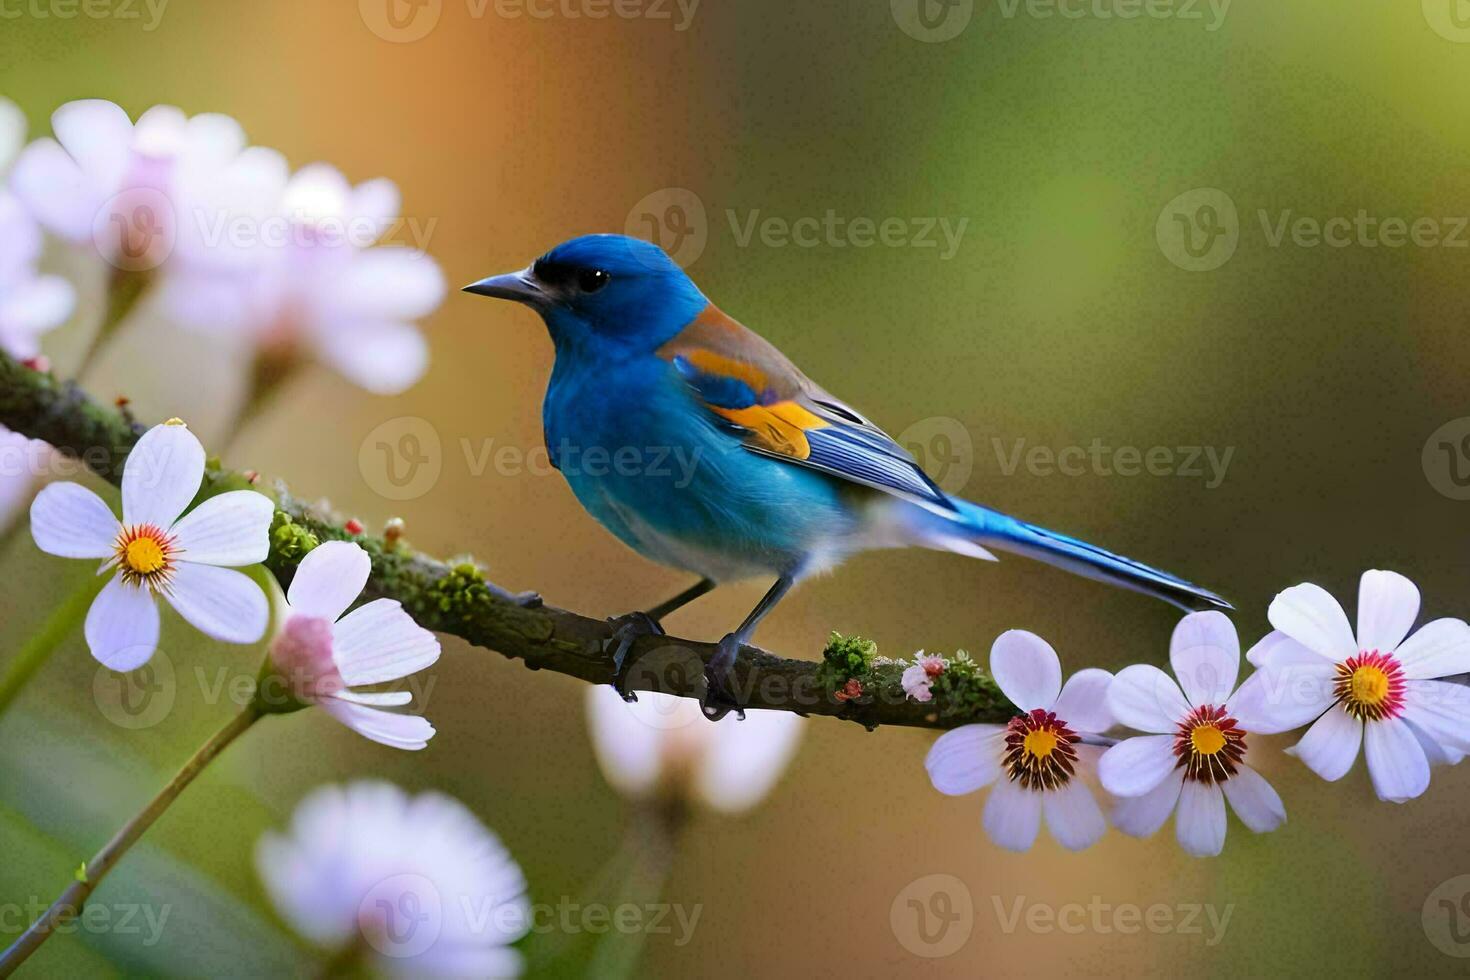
<point x="518" y="286"/>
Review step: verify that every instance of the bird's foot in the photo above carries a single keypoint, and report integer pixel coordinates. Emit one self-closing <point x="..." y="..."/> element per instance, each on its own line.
<point x="719" y="699"/>
<point x="627" y="629"/>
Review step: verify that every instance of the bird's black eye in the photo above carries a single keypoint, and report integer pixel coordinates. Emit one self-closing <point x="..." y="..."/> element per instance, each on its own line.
<point x="591" y="280"/>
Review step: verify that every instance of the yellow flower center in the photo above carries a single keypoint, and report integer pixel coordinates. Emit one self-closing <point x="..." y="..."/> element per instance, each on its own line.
<point x="143" y="555"/>
<point x="1040" y="743"/>
<point x="1206" y="739"/>
<point x="1369" y="686"/>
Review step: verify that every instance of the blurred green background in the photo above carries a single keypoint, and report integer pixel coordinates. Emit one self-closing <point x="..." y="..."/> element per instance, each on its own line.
<point x="1060" y="319"/>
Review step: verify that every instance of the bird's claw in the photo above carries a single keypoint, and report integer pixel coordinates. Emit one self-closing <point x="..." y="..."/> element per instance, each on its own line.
<point x="626" y="630"/>
<point x="719" y="700"/>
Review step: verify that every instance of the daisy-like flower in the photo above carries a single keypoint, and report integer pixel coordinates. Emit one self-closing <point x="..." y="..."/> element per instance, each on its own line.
<point x="1379" y="689"/>
<point x="319" y="655"/>
<point x="316" y="288"/>
<point x="661" y="745"/>
<point x="412" y="886"/>
<point x="153" y="552"/>
<point x="919" y="678"/>
<point x="1036" y="760"/>
<point x="1194" y="756"/>
<point x="129" y="188"/>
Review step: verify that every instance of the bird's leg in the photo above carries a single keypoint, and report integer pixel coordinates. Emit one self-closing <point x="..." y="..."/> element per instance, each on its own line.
<point x="627" y="629"/>
<point x="718" y="700"/>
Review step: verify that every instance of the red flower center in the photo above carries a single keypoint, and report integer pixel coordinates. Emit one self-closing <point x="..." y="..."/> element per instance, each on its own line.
<point x="1039" y="750"/>
<point x="1370" y="686"/>
<point x="1209" y="745"/>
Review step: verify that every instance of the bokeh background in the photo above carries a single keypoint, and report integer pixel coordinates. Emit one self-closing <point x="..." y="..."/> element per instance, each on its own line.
<point x="1065" y="315"/>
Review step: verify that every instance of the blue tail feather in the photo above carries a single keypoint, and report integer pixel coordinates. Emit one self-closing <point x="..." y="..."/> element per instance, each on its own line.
<point x="1005" y="533"/>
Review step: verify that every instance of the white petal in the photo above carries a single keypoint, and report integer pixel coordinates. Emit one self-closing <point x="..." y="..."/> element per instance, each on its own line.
<point x="1388" y="604"/>
<point x="1136" y="765"/>
<point x="1199" y="822"/>
<point x="410" y="732"/>
<point x="1254" y="800"/>
<point x="1397" y="764"/>
<point x="1331" y="744"/>
<point x="379" y="642"/>
<point x="98" y="135"/>
<point x="1441" y="710"/>
<point x="1012" y="816"/>
<point x="629" y="749"/>
<point x="1277" y="644"/>
<point x="1142" y="816"/>
<point x="388" y="283"/>
<point x="1308" y="614"/>
<point x="329" y="579"/>
<point x="12" y="132"/>
<point x="384" y="358"/>
<point x="376" y="202"/>
<point x="228" y="529"/>
<point x="122" y="626"/>
<point x="1285" y="696"/>
<point x="162" y="474"/>
<point x="1073" y="816"/>
<point x="745" y="759"/>
<point x="32" y="308"/>
<point x="315" y="193"/>
<point x="56" y="191"/>
<point x="219" y="602"/>
<point x="1438" y="753"/>
<point x="965" y="759"/>
<point x="1437" y="649"/>
<point x="71" y="521"/>
<point x="1144" y="697"/>
<point x="1083" y="703"/>
<point x="1205" y="654"/>
<point x="1026" y="669"/>
<point x="376" y="699"/>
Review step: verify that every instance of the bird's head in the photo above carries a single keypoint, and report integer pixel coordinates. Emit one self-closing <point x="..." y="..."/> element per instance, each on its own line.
<point x="603" y="292"/>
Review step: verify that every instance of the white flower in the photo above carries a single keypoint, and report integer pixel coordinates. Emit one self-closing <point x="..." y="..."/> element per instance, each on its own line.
<point x="417" y="885"/>
<point x="158" y="553"/>
<point x="30" y="303"/>
<point x="1195" y="754"/>
<point x="664" y="744"/>
<point x="320" y="654"/>
<point x="1037" y="758"/>
<point x="918" y="678"/>
<point x="316" y="287"/>
<point x="134" y="190"/>
<point x="1378" y="689"/>
<point x="23" y="462"/>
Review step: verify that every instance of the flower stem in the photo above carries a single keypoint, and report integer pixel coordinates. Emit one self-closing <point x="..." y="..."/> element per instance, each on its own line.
<point x="124" y="290"/>
<point x="38" y="649"/>
<point x="90" y="875"/>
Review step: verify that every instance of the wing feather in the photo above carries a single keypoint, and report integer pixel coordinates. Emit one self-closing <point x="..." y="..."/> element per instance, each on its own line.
<point x="753" y="387"/>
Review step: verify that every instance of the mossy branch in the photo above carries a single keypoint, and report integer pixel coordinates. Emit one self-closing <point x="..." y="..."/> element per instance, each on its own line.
<point x="455" y="597"/>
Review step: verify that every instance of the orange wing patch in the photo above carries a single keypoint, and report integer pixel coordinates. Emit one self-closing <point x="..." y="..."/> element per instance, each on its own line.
<point x="779" y="428"/>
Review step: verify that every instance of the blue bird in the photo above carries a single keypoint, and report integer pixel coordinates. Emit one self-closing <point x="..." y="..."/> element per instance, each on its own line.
<point x="783" y="479"/>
